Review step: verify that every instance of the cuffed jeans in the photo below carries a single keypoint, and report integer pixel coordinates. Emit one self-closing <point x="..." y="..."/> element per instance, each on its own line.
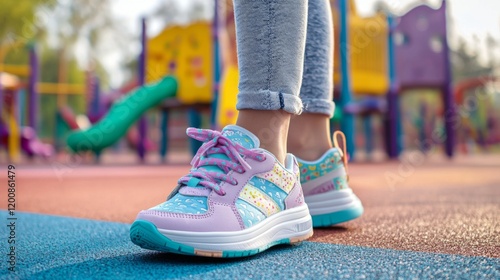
<point x="285" y="55"/>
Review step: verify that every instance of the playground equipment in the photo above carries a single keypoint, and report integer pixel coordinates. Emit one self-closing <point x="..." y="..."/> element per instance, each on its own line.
<point x="226" y="103"/>
<point x="12" y="135"/>
<point x="366" y="46"/>
<point x="190" y="54"/>
<point x="419" y="116"/>
<point x="380" y="47"/>
<point x="67" y="120"/>
<point x="361" y="51"/>
<point x="14" y="116"/>
<point x="421" y="59"/>
<point x="479" y="117"/>
<point x="34" y="88"/>
<point x="184" y="52"/>
<point x="14" y="110"/>
<point x="385" y="56"/>
<point x="181" y="58"/>
<point x="121" y="116"/>
<point x="414" y="54"/>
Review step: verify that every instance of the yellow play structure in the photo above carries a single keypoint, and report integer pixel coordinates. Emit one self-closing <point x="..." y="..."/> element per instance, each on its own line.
<point x="368" y="51"/>
<point x="10" y="84"/>
<point x="226" y="107"/>
<point x="186" y="53"/>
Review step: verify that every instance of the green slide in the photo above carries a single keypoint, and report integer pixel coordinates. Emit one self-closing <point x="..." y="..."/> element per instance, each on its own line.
<point x="121" y="116"/>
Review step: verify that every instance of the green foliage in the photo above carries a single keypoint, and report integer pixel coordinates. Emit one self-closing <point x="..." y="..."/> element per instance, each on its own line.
<point x="17" y="56"/>
<point x="466" y="64"/>
<point x="19" y="20"/>
<point x="51" y="61"/>
<point x="47" y="107"/>
<point x="57" y="27"/>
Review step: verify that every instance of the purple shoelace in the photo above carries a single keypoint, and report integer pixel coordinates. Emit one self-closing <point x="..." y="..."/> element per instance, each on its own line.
<point x="214" y="142"/>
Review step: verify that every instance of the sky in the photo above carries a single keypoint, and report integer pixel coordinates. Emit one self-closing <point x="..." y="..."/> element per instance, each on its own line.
<point x="471" y="19"/>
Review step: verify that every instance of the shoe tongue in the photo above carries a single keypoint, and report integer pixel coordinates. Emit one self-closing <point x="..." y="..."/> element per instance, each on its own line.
<point x="236" y="134"/>
<point x="241" y="136"/>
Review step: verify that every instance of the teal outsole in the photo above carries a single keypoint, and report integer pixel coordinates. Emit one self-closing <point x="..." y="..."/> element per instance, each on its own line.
<point x="334" y="218"/>
<point x="146" y="235"/>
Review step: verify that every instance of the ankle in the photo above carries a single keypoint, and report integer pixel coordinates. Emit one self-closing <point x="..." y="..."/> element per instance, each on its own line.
<point x="309" y="136"/>
<point x="271" y="127"/>
<point x="309" y="150"/>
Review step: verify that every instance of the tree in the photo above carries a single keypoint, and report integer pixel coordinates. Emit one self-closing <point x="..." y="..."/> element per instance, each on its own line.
<point x="491" y="45"/>
<point x="89" y="26"/>
<point x="71" y="36"/>
<point x="168" y="12"/>
<point x="466" y="64"/>
<point x="19" y="20"/>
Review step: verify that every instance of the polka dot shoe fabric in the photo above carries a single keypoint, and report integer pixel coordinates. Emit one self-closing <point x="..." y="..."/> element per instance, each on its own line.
<point x="184" y="204"/>
<point x="326" y="190"/>
<point x="237" y="200"/>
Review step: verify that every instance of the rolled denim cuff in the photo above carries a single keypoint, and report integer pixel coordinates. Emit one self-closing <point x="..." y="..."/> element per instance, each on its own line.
<point x="319" y="106"/>
<point x="269" y="100"/>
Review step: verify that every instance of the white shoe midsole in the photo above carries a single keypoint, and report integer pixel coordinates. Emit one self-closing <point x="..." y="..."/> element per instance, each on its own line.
<point x="332" y="201"/>
<point x="291" y="223"/>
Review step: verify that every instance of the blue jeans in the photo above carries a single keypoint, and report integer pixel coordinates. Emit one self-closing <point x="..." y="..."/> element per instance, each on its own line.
<point x="285" y="55"/>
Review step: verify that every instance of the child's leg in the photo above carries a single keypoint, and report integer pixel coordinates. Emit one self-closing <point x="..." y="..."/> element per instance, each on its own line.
<point x="309" y="134"/>
<point x="271" y="42"/>
<point x="322" y="172"/>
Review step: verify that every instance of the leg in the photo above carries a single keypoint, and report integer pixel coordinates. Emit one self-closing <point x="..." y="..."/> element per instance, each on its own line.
<point x="309" y="135"/>
<point x="323" y="174"/>
<point x="271" y="41"/>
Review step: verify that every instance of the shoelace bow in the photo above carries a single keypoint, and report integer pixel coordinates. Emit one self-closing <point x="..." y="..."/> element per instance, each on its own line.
<point x="216" y="143"/>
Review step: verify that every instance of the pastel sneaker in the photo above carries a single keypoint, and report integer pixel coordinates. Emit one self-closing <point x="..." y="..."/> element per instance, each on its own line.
<point x="326" y="188"/>
<point x="237" y="200"/>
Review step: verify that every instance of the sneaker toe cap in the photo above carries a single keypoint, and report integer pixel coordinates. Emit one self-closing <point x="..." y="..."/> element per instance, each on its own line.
<point x="221" y="218"/>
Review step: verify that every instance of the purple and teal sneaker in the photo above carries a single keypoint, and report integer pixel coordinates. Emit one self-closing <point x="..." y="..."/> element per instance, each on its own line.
<point x="237" y="201"/>
<point x="326" y="188"/>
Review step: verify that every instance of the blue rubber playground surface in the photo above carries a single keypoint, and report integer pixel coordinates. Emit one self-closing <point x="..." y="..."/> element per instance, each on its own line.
<point x="53" y="247"/>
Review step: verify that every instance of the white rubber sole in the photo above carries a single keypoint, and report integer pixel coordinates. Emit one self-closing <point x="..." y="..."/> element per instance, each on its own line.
<point x="294" y="224"/>
<point x="332" y="201"/>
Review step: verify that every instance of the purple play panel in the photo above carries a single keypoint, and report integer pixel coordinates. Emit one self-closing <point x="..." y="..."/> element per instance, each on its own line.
<point x="423" y="59"/>
<point x="421" y="53"/>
